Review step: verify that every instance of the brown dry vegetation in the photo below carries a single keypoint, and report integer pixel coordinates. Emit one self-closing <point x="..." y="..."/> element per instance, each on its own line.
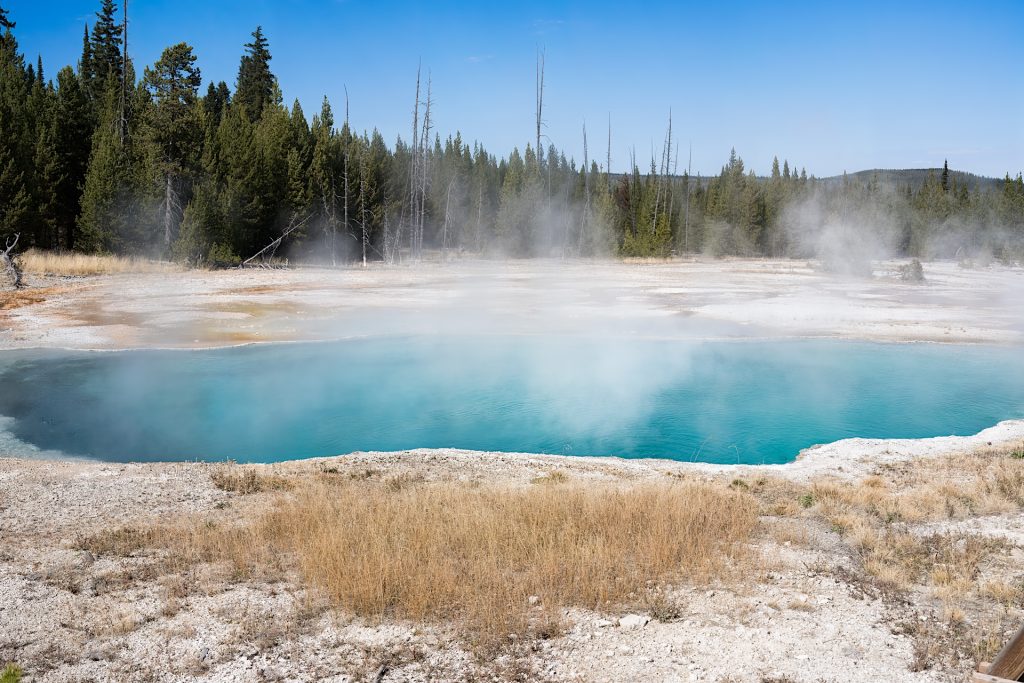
<point x="494" y="560"/>
<point x="235" y="479"/>
<point x="36" y="262"/>
<point x="499" y="563"/>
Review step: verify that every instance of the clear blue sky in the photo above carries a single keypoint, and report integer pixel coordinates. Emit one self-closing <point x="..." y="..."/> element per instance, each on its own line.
<point x="832" y="86"/>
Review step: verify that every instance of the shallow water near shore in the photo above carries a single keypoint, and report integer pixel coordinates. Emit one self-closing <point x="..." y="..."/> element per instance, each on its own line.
<point x="745" y="402"/>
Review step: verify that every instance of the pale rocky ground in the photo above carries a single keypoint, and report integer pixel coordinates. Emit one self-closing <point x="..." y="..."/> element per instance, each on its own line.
<point x="68" y="616"/>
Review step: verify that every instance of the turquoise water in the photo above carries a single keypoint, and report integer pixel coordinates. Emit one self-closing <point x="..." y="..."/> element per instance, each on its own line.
<point x="736" y="401"/>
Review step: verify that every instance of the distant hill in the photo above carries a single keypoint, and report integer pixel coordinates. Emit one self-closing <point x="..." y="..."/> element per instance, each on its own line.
<point x="898" y="177"/>
<point x="915" y="177"/>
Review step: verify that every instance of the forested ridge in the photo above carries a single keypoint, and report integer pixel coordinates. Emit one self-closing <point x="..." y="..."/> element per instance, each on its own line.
<point x="100" y="158"/>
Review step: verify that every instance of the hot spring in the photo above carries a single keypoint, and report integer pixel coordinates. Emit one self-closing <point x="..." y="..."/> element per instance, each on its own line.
<point x="713" y="401"/>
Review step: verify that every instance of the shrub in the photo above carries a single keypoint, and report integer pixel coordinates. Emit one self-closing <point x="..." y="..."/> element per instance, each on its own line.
<point x="222" y="256"/>
<point x="912" y="272"/>
<point x="228" y="478"/>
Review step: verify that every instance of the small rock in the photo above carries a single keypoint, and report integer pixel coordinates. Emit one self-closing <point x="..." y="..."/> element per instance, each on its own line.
<point x="603" y="623"/>
<point x="534" y="600"/>
<point x="634" y="621"/>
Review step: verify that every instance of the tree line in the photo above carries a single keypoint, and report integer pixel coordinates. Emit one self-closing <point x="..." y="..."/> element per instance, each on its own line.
<point x="103" y="159"/>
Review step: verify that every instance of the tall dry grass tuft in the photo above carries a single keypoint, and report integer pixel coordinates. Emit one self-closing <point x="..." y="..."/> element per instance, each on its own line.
<point x="496" y="560"/>
<point x="37" y="262"/>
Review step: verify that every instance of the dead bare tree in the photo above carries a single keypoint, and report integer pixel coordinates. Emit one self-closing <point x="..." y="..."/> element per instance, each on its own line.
<point x="672" y="194"/>
<point x="389" y="238"/>
<point x="413" y="169"/>
<point x="663" y="168"/>
<point x="586" y="192"/>
<point x="344" y="171"/>
<point x="478" y="238"/>
<point x="686" y="224"/>
<point x="424" y="163"/>
<point x="447" y="218"/>
<point x="634" y="189"/>
<point x="362" y="207"/>
<point x="608" y="168"/>
<point x="540" y="100"/>
<point x="172" y="208"/>
<point x="11" y="268"/>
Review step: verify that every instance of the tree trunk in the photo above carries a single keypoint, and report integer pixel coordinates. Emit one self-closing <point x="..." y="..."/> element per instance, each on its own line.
<point x="168" y="208"/>
<point x="362" y="208"/>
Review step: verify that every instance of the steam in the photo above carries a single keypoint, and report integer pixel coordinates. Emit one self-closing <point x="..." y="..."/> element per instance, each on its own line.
<point x="846" y="238"/>
<point x="849" y="231"/>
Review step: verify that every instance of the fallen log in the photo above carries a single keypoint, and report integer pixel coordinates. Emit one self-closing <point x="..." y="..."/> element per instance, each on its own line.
<point x="1009" y="663"/>
<point x="261" y="258"/>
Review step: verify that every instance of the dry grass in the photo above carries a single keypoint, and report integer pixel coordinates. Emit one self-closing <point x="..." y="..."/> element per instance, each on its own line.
<point x="476" y="556"/>
<point x="36" y="262"/>
<point x="928" y="491"/>
<point x="900" y="528"/>
<point x="235" y="479"/>
<point x="882" y="509"/>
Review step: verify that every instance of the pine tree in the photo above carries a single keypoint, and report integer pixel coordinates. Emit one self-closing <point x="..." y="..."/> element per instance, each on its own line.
<point x="105" y="62"/>
<point x="73" y="119"/>
<point x="215" y="101"/>
<point x="49" y="176"/>
<point x="16" y="140"/>
<point x="116" y="213"/>
<point x="325" y="177"/>
<point x="944" y="182"/>
<point x="14" y="198"/>
<point x="256" y="86"/>
<point x="85" y="68"/>
<point x="173" y="129"/>
<point x="5" y="22"/>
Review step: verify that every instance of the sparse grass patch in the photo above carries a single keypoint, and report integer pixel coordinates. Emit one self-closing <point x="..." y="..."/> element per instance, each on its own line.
<point x="552" y="477"/>
<point x="236" y="479"/>
<point x="1004" y="592"/>
<point x="662" y="604"/>
<point x="37" y="262"/>
<point x="474" y="556"/>
<point x="801" y="605"/>
<point x="11" y="673"/>
<point x="119" y="542"/>
<point x="739" y="485"/>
